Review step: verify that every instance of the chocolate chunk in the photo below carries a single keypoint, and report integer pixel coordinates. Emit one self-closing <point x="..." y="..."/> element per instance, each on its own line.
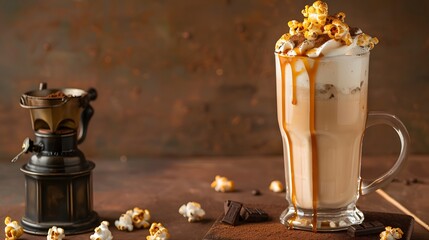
<point x="355" y="31"/>
<point x="415" y="180"/>
<point x="408" y="182"/>
<point x="232" y="212"/>
<point x="365" y="228"/>
<point x="253" y="214"/>
<point x="397" y="180"/>
<point x="321" y="39"/>
<point x="256" y="192"/>
<point x="297" y="39"/>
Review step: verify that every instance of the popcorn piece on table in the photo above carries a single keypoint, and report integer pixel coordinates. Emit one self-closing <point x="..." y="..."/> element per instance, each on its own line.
<point x="276" y="186"/>
<point x="102" y="232"/>
<point x="12" y="230"/>
<point x="391" y="234"/>
<point x="193" y="211"/>
<point x="55" y="233"/>
<point x="140" y="217"/>
<point x="158" y="232"/>
<point x="222" y="184"/>
<point x="125" y="221"/>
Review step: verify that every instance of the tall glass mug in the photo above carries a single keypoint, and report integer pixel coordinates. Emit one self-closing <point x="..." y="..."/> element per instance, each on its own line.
<point x="322" y="114"/>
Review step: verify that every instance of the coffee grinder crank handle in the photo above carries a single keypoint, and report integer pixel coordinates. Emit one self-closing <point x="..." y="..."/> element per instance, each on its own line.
<point x="86" y="114"/>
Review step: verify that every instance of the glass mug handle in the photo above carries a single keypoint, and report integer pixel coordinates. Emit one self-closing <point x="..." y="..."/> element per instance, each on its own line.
<point x="376" y="118"/>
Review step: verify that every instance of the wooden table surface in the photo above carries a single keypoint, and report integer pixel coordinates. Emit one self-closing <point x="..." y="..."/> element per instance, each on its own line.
<point x="163" y="185"/>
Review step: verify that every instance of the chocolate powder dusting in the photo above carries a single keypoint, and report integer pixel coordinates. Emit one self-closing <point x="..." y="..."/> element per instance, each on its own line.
<point x="274" y="230"/>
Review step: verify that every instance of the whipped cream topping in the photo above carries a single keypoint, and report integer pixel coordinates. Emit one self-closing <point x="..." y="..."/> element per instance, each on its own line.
<point x="321" y="34"/>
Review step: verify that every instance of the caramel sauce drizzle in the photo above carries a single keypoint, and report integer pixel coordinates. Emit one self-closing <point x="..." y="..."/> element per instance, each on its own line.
<point x="314" y="161"/>
<point x="311" y="71"/>
<point x="283" y="62"/>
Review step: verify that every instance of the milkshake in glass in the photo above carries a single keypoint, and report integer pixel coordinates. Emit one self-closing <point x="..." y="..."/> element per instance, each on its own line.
<point x="322" y="68"/>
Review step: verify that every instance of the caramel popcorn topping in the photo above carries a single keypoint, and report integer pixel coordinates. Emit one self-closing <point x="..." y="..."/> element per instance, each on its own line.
<point x="317" y="28"/>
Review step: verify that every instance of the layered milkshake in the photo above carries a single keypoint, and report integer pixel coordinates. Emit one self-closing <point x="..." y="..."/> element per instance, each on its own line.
<point x="322" y="86"/>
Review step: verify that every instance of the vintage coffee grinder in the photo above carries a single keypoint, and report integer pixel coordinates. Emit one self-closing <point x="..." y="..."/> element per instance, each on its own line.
<point x="58" y="180"/>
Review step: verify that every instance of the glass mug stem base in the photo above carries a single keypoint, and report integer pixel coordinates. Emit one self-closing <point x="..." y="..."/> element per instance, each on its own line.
<point x="327" y="220"/>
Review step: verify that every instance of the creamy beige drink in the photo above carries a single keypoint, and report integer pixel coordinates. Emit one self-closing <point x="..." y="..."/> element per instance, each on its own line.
<point x="337" y="105"/>
<point x="322" y="68"/>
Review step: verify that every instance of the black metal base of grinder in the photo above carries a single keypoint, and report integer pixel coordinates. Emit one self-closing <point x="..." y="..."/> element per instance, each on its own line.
<point x="58" y="183"/>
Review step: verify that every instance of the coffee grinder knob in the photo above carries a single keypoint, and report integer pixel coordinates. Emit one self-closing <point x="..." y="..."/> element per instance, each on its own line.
<point x="28" y="146"/>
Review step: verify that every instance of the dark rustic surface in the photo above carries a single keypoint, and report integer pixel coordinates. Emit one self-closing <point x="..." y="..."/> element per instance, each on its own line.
<point x="163" y="185"/>
<point x="186" y="78"/>
<point x="274" y="230"/>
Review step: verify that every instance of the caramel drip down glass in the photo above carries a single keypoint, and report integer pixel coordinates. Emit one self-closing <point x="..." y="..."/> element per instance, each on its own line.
<point x="322" y="115"/>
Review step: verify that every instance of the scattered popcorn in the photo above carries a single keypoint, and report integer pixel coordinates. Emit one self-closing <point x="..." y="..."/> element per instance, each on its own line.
<point x="193" y="211"/>
<point x="222" y="184"/>
<point x="102" y="232"/>
<point x="12" y="230"/>
<point x="391" y="234"/>
<point x="137" y="217"/>
<point x="55" y="233"/>
<point x="125" y="221"/>
<point x="140" y="218"/>
<point x="158" y="232"/>
<point x="276" y="186"/>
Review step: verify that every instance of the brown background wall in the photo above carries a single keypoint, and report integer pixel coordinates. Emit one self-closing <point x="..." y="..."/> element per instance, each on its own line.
<point x="183" y="78"/>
